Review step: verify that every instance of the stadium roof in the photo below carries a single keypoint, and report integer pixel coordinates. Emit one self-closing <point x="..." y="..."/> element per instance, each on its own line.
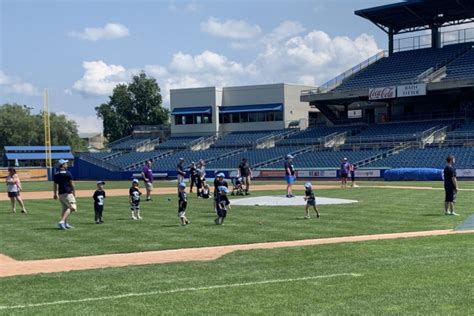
<point x="37" y="156"/>
<point x="416" y="15"/>
<point x="36" y="148"/>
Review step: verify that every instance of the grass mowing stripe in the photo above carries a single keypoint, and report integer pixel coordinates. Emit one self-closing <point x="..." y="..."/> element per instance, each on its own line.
<point x="189" y="289"/>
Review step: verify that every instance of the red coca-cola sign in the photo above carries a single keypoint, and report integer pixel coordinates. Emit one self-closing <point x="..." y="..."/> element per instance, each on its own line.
<point x="382" y="93"/>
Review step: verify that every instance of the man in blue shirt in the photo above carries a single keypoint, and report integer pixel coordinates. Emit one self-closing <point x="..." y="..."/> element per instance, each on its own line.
<point x="63" y="189"/>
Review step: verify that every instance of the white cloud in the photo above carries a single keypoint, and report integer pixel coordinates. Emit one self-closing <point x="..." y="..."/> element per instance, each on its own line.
<point x="109" y="31"/>
<point x="85" y="124"/>
<point x="310" y="58"/>
<point x="100" y="78"/>
<point x="285" y="30"/>
<point x="14" y="85"/>
<point x="233" y="29"/>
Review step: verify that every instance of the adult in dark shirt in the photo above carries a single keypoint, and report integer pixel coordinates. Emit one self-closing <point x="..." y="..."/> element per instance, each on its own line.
<point x="245" y="172"/>
<point x="180" y="170"/>
<point x="450" y="186"/>
<point x="289" y="176"/>
<point x="192" y="176"/>
<point x="63" y="189"/>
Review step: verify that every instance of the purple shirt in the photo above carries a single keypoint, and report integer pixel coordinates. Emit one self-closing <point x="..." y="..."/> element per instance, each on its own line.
<point x="148" y="173"/>
<point x="345" y="167"/>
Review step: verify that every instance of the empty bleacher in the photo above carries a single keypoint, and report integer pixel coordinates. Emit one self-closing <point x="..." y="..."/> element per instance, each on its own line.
<point x="326" y="159"/>
<point x="313" y="135"/>
<point x="462" y="67"/>
<point x="130" y="158"/>
<point x="402" y="67"/>
<point x="254" y="156"/>
<point x="395" y="132"/>
<point x="245" y="139"/>
<point x="427" y="158"/>
<point x="178" y="142"/>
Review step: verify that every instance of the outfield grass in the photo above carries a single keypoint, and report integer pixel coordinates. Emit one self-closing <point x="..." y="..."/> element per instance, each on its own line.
<point x="35" y="236"/>
<point x="428" y="276"/>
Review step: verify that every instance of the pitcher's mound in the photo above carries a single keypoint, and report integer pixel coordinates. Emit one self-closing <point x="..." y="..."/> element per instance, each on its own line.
<point x="278" y="200"/>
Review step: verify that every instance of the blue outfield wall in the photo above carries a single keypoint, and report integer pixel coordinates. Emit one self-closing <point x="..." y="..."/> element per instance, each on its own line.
<point x="84" y="170"/>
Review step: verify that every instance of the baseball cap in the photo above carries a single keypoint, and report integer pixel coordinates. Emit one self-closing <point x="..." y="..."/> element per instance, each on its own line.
<point x="220" y="175"/>
<point x="308" y="185"/>
<point x="223" y="189"/>
<point x="100" y="182"/>
<point x="289" y="156"/>
<point x="345" y="158"/>
<point x="135" y="181"/>
<point x="62" y="161"/>
<point x="182" y="185"/>
<point x="181" y="159"/>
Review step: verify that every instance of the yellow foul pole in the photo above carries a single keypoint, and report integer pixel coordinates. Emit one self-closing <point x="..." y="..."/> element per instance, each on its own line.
<point x="47" y="130"/>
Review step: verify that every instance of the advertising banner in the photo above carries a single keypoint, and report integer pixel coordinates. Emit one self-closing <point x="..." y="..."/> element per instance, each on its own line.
<point x="465" y="173"/>
<point x="382" y="93"/>
<point x="411" y="90"/>
<point x="367" y="173"/>
<point x="28" y="174"/>
<point x="317" y="173"/>
<point x="272" y="173"/>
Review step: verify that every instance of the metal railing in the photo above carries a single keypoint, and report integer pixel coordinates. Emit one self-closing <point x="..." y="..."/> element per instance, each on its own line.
<point x="335" y="82"/>
<point x="98" y="162"/>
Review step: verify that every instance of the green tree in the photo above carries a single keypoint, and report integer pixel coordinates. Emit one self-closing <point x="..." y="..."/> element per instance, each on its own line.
<point x="136" y="103"/>
<point x="19" y="127"/>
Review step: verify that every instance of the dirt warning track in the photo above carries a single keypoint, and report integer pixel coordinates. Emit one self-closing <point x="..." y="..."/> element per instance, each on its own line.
<point x="11" y="267"/>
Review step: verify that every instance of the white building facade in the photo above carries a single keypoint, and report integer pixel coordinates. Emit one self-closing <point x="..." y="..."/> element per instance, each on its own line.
<point x="211" y="110"/>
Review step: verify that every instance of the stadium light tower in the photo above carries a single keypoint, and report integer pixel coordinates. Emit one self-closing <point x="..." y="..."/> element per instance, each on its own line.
<point x="47" y="131"/>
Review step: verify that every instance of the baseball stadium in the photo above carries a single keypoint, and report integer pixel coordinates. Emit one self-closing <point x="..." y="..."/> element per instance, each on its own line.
<point x="351" y="197"/>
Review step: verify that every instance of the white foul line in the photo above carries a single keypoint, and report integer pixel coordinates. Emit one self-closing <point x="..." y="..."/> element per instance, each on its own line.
<point x="189" y="289"/>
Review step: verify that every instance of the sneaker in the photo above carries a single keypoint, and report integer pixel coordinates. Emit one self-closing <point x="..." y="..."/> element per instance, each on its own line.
<point x="454" y="213"/>
<point x="24" y="211"/>
<point x="97" y="222"/>
<point x="14" y="211"/>
<point x="188" y="222"/>
<point x="134" y="218"/>
<point x="139" y="217"/>
<point x="288" y="196"/>
<point x="317" y="215"/>
<point x="247" y="193"/>
<point x="61" y="226"/>
<point x="68" y="226"/>
<point x="216" y="221"/>
<point x="307" y="217"/>
<point x="221" y="221"/>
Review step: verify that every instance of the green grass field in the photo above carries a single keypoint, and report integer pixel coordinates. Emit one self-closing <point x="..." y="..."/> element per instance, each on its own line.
<point x="428" y="276"/>
<point x="409" y="276"/>
<point x="379" y="210"/>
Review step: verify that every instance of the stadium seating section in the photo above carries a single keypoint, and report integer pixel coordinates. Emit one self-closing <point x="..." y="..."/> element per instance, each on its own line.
<point x="227" y="152"/>
<point x="404" y="67"/>
<point x="462" y="67"/>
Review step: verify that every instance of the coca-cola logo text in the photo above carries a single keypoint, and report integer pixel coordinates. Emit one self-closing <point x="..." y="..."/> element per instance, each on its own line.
<point x="382" y="93"/>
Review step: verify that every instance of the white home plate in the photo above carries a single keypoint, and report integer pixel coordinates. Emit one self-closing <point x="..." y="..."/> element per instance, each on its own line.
<point x="278" y="200"/>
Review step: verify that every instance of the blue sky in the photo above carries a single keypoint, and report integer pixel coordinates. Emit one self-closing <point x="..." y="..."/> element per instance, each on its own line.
<point x="79" y="50"/>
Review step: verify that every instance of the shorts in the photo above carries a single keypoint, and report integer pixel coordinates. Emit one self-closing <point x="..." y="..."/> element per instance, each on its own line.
<point x="68" y="201"/>
<point x="450" y="195"/>
<point x="98" y="208"/>
<point x="311" y="203"/>
<point x="290" y="179"/>
<point x="13" y="194"/>
<point x="149" y="186"/>
<point x="246" y="180"/>
<point x="180" y="178"/>
<point x="181" y="212"/>
<point x="344" y="175"/>
<point x="135" y="206"/>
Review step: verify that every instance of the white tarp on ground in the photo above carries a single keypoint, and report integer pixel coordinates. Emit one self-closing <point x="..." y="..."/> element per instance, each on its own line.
<point x="281" y="200"/>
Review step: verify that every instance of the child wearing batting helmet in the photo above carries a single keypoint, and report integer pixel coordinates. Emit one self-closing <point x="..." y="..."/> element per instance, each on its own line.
<point x="310" y="200"/>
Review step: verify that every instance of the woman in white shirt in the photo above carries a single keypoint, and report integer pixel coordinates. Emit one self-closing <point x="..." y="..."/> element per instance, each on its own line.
<point x="13" y="188"/>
